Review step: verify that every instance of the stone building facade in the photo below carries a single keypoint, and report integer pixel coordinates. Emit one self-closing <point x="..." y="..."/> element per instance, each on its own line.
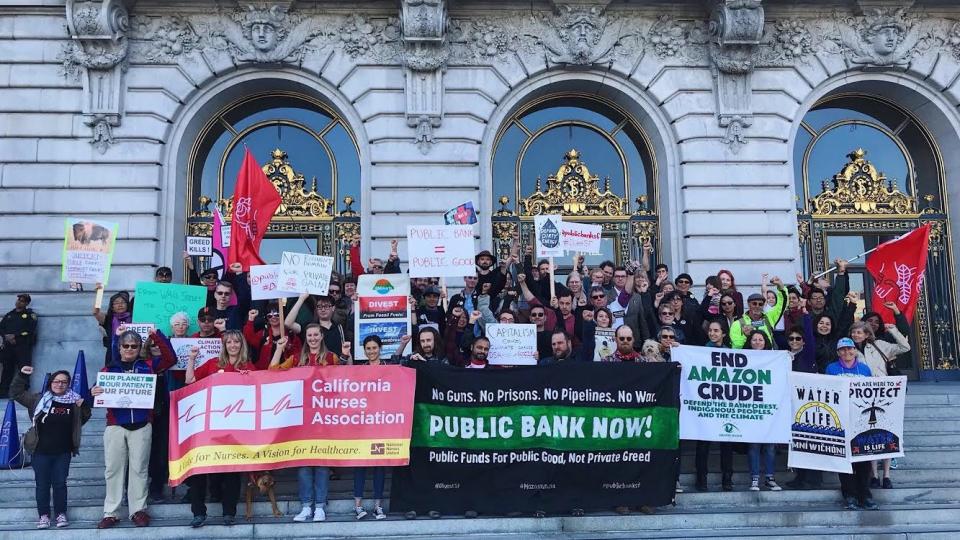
<point x="758" y="136"/>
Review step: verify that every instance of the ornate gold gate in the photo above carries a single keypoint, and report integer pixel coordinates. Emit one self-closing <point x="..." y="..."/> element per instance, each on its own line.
<point x="302" y="213"/>
<point x="860" y="202"/>
<point x="574" y="192"/>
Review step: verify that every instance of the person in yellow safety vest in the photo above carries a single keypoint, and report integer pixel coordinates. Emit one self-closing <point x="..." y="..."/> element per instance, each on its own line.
<point x="755" y="318"/>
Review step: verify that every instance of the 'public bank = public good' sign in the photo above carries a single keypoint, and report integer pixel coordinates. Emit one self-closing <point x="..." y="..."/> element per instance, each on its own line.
<point x="440" y="250"/>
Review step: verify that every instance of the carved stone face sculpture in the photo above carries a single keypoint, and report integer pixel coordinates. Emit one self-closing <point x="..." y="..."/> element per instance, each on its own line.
<point x="263" y="36"/>
<point x="581" y="36"/>
<point x="885" y="39"/>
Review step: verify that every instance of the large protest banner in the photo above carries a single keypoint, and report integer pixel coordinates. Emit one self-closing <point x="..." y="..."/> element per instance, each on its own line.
<point x="305" y="273"/>
<point x="321" y="416"/>
<point x="440" y="250"/>
<point x="87" y="250"/>
<point x="382" y="309"/>
<point x="876" y="417"/>
<point x="552" y="438"/>
<point x="512" y="344"/>
<point x="156" y="302"/>
<point x="732" y="395"/>
<point x="818" y="432"/>
<point x="126" y="390"/>
<point x="209" y="348"/>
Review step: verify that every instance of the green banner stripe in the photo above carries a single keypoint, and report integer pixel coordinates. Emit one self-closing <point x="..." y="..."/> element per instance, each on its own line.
<point x="555" y="427"/>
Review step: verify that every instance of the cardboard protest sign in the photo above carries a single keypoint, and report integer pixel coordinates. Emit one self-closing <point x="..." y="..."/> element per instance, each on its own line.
<point x="209" y="350"/>
<point x="126" y="390"/>
<point x="382" y="301"/>
<point x="875" y="428"/>
<point x="87" y="250"/>
<point x="606" y="344"/>
<point x="818" y="432"/>
<point x="547" y="232"/>
<point x="305" y="273"/>
<point x="461" y="215"/>
<point x="734" y="395"/>
<point x="440" y="250"/>
<point x="201" y="246"/>
<point x="143" y="329"/>
<point x="581" y="237"/>
<point x="156" y="302"/>
<point x="512" y="344"/>
<point x="265" y="283"/>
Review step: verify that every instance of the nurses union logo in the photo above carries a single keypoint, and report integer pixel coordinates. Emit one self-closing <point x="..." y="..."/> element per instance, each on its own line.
<point x="234" y="408"/>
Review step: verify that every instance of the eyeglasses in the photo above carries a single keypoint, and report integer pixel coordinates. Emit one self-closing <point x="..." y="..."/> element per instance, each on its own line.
<point x="272" y="315"/>
<point x="209" y="277"/>
<point x="794" y="338"/>
<point x="222" y="293"/>
<point x="325" y="306"/>
<point x="668" y="336"/>
<point x="536" y="315"/>
<point x="129" y="346"/>
<point x="756" y="303"/>
<point x="624" y="338"/>
<point x="205" y="319"/>
<point x="598" y="296"/>
<point x="666" y="313"/>
<point x="728" y="303"/>
<point x="164" y="275"/>
<point x="619" y="276"/>
<point x="333" y="291"/>
<point x="682" y="281"/>
<point x="60" y="381"/>
<point x="376" y="267"/>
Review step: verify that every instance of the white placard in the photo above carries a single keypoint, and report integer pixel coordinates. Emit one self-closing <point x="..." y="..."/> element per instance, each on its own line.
<point x="201" y="246"/>
<point x="547" y="231"/>
<point x="305" y="273"/>
<point x="440" y="250"/>
<point x="512" y="344"/>
<point x="143" y="329"/>
<point x="382" y="309"/>
<point x="126" y="390"/>
<point x="225" y="236"/>
<point x="818" y="433"/>
<point x="209" y="350"/>
<point x="581" y="237"/>
<point x="875" y="427"/>
<point x="265" y="283"/>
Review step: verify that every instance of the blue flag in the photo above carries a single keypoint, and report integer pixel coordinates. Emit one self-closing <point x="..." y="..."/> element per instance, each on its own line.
<point x="461" y="215"/>
<point x="10" y="451"/>
<point x="79" y="381"/>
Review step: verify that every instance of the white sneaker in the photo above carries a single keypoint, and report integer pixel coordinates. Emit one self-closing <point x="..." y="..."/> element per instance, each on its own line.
<point x="755" y="484"/>
<point x="43" y="522"/>
<point x="319" y="515"/>
<point x="360" y="512"/>
<point x="378" y="513"/>
<point x="772" y="484"/>
<point x="62" y="521"/>
<point x="304" y="514"/>
<point x="679" y="488"/>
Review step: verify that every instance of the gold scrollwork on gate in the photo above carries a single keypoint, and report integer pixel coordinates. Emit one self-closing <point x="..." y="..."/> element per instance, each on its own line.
<point x="858" y="189"/>
<point x="574" y="191"/>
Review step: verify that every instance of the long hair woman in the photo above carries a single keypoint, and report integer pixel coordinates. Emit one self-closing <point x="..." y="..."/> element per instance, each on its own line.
<point x="718" y="335"/>
<point x="372" y="346"/>
<point x="234" y="358"/>
<point x="759" y="341"/>
<point x="117" y="315"/>
<point x="56" y="416"/>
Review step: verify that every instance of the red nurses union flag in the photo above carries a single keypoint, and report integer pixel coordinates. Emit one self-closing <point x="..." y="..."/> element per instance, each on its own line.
<point x="254" y="202"/>
<point x="897" y="268"/>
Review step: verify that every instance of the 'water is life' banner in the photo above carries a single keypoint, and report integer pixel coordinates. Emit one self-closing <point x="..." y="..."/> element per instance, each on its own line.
<point x="734" y="395"/>
<point x="549" y="438"/>
<point x="335" y="416"/>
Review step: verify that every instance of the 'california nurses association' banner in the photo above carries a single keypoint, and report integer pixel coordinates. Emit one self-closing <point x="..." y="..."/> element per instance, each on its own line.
<point x="549" y="438"/>
<point x="734" y="395"/>
<point x="334" y="416"/>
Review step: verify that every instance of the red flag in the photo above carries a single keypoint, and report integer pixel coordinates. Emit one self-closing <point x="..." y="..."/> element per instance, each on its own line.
<point x="254" y="202"/>
<point x="897" y="268"/>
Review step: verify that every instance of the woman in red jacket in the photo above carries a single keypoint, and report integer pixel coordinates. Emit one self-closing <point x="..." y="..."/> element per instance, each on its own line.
<point x="264" y="340"/>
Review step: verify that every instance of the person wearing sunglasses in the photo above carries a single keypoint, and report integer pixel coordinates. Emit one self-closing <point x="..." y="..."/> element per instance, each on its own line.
<point x="625" y="352"/>
<point x="129" y="433"/>
<point x="667" y="318"/>
<point x="334" y="334"/>
<point x="264" y="339"/>
<point x="801" y="346"/>
<point x="57" y="415"/>
<point x="756" y="319"/>
<point x="230" y="317"/>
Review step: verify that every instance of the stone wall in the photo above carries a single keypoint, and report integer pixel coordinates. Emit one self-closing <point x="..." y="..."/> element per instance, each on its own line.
<point x="96" y="103"/>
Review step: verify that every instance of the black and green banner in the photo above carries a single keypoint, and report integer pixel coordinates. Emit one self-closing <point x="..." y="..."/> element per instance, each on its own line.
<point x="553" y="438"/>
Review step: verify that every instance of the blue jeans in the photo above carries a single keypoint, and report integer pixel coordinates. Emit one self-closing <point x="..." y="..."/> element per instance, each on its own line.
<point x="360" y="478"/>
<point x="51" y="470"/>
<point x="312" y="483"/>
<point x="769" y="459"/>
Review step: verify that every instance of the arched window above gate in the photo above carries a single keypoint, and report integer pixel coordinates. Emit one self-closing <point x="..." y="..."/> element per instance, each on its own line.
<point x="582" y="157"/>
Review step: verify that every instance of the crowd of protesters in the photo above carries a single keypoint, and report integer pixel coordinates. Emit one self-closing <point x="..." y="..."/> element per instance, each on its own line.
<point x="645" y="309"/>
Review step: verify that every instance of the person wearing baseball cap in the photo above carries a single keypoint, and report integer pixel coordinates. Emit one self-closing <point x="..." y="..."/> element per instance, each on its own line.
<point x="855" y="487"/>
<point x="18" y="334"/>
<point x="756" y="319"/>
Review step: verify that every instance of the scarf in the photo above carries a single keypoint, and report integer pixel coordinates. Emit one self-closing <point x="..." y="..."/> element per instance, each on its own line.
<point x="48" y="399"/>
<point x="630" y="357"/>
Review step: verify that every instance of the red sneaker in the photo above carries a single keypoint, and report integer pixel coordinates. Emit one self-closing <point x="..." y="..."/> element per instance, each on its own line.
<point x="107" y="522"/>
<point x="140" y="519"/>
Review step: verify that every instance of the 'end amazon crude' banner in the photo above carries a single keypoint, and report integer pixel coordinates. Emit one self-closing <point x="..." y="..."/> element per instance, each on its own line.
<point x="550" y="438"/>
<point x="320" y="416"/>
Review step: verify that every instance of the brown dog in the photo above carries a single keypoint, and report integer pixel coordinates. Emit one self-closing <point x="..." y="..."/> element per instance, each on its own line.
<point x="262" y="482"/>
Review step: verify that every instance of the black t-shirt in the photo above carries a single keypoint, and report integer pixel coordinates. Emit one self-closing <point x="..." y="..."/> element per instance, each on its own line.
<point x="55" y="429"/>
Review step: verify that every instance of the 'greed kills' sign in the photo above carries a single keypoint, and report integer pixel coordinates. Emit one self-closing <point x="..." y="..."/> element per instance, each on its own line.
<point x="201" y="246"/>
<point x="440" y="250"/>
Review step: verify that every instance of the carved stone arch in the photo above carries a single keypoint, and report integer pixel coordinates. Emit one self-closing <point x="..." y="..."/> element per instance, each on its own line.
<point x="625" y="94"/>
<point x="210" y="97"/>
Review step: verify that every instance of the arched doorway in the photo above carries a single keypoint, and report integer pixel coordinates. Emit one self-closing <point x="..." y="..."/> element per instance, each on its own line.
<point x="868" y="170"/>
<point x="581" y="156"/>
<point x="307" y="151"/>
